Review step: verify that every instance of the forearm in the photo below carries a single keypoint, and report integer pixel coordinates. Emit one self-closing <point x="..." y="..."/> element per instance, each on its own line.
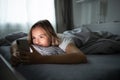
<point x="59" y="59"/>
<point x="68" y="58"/>
<point x="71" y="58"/>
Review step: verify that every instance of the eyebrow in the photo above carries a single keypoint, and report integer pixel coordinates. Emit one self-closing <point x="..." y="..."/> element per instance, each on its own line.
<point x="40" y="35"/>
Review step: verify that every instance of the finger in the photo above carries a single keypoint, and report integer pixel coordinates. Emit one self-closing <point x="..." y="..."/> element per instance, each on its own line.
<point x="15" y="58"/>
<point x="16" y="53"/>
<point x="25" y="61"/>
<point x="23" y="53"/>
<point x="24" y="57"/>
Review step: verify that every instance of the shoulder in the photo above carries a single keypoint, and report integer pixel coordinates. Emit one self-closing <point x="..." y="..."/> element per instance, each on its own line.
<point x="71" y="48"/>
<point x="64" y="41"/>
<point x="64" y="37"/>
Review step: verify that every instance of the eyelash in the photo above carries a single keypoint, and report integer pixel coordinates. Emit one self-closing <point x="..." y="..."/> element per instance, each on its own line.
<point x="41" y="36"/>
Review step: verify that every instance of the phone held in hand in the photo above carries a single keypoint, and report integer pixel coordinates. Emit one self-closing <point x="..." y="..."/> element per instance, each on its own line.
<point x="23" y="45"/>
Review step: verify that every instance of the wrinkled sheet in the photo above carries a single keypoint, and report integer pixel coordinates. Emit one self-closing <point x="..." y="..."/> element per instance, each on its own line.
<point x="101" y="42"/>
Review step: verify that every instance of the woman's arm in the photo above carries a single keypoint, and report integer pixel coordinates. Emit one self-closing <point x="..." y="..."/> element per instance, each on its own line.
<point x="72" y="49"/>
<point x="73" y="56"/>
<point x="15" y="59"/>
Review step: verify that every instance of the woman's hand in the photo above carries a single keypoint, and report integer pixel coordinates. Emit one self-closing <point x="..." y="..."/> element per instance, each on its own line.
<point x="23" y="58"/>
<point x="30" y="58"/>
<point x="15" y="61"/>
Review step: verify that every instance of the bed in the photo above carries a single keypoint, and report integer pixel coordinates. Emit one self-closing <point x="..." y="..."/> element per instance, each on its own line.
<point x="103" y="62"/>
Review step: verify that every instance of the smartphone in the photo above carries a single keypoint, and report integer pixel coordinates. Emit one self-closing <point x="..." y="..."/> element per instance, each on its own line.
<point x="23" y="45"/>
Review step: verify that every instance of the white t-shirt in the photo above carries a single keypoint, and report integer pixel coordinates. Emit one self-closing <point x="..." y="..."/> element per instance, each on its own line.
<point x="65" y="40"/>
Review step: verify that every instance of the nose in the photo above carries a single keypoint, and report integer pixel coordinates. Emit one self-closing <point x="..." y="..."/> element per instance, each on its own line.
<point x="37" y="41"/>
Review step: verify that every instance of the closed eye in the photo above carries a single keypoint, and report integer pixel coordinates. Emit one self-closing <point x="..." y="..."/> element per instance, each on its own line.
<point x="42" y="36"/>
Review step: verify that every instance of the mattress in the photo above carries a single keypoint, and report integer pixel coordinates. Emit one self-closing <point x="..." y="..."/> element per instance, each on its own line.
<point x="99" y="67"/>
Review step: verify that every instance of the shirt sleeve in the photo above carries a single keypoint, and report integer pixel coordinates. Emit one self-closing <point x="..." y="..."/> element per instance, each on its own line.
<point x="65" y="41"/>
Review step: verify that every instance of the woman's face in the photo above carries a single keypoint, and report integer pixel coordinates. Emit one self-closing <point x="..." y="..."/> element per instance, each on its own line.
<point x="39" y="37"/>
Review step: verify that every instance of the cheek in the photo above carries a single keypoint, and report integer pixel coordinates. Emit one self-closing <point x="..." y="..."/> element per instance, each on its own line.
<point x="48" y="42"/>
<point x="34" y="42"/>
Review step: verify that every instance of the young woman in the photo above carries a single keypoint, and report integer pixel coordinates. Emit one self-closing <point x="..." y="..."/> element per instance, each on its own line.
<point x="42" y="34"/>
